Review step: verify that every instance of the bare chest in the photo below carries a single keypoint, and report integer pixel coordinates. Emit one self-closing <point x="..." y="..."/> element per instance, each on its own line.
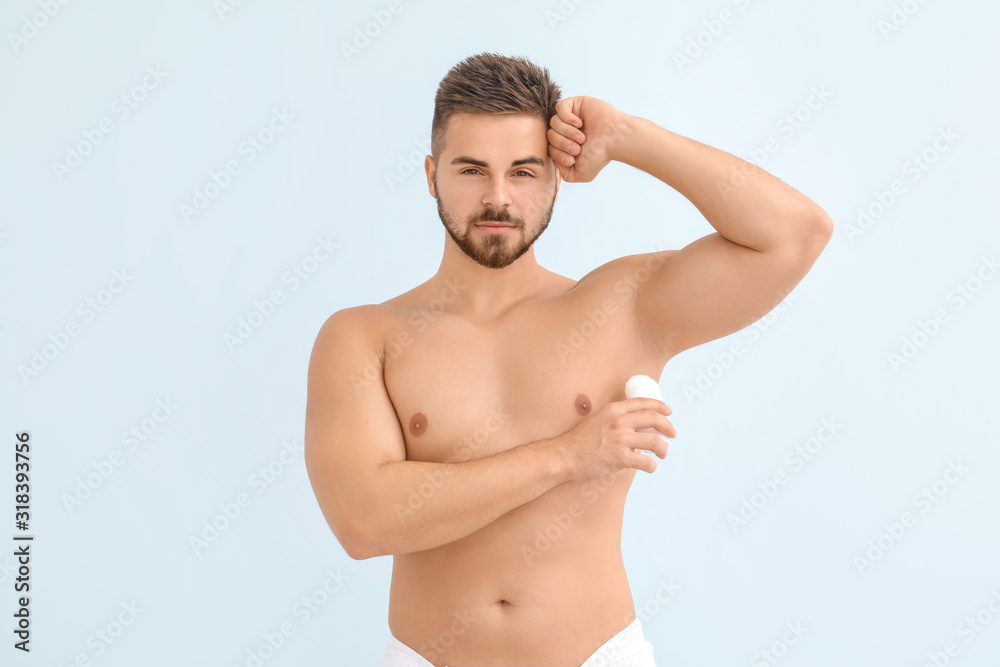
<point x="464" y="391"/>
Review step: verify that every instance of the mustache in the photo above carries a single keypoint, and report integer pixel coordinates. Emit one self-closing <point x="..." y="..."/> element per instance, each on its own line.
<point x="496" y="216"/>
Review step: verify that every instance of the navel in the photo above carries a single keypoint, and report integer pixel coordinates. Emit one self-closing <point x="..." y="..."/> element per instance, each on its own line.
<point x="582" y="404"/>
<point x="418" y="424"/>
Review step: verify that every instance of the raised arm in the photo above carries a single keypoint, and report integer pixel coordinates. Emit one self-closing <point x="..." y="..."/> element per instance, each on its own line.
<point x="356" y="457"/>
<point x="768" y="235"/>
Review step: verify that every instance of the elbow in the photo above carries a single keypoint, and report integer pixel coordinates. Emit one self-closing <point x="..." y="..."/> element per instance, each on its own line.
<point x="822" y="228"/>
<point x="362" y="542"/>
<point x="358" y="549"/>
<point x="801" y="250"/>
<point x="817" y="233"/>
<point x="806" y="232"/>
<point x="822" y="234"/>
<point x="358" y="545"/>
<point x="355" y="537"/>
<point x="364" y="526"/>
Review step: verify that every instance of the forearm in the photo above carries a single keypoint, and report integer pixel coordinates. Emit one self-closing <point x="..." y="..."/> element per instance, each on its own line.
<point x="417" y="505"/>
<point x="741" y="201"/>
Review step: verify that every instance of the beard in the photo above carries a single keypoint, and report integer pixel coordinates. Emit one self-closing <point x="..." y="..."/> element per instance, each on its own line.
<point x="494" y="251"/>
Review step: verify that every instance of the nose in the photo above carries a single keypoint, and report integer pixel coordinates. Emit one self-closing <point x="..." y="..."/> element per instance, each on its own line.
<point x="497" y="194"/>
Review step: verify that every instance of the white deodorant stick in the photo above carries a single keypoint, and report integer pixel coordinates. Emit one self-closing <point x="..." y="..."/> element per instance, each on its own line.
<point x="646" y="387"/>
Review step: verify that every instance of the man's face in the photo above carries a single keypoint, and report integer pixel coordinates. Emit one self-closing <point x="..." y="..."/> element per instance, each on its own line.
<point x="495" y="170"/>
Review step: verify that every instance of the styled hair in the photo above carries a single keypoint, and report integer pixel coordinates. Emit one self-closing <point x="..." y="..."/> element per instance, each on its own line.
<point x="491" y="83"/>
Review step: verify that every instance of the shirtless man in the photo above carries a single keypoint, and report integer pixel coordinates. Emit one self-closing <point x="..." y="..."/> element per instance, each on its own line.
<point x="476" y="427"/>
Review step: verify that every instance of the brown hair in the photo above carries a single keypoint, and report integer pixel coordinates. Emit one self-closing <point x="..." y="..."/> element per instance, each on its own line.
<point x="493" y="84"/>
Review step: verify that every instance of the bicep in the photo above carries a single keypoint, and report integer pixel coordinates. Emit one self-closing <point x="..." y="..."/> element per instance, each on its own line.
<point x="714" y="287"/>
<point x="351" y="424"/>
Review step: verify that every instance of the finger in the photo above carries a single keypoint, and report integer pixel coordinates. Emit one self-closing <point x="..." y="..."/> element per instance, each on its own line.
<point x="562" y="159"/>
<point x="641" y="462"/>
<point x="567" y="130"/>
<point x="566" y="172"/>
<point x="666" y="427"/>
<point x="650" y="419"/>
<point x="561" y="142"/>
<point x="646" y="403"/>
<point x="564" y="110"/>
<point x="651" y="442"/>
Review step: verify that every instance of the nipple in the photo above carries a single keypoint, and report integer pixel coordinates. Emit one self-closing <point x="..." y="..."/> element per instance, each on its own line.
<point x="582" y="404"/>
<point x="418" y="424"/>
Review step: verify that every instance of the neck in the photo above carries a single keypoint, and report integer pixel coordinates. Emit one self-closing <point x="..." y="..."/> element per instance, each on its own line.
<point x="484" y="293"/>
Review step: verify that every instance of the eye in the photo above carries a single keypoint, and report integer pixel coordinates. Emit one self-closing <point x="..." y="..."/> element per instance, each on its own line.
<point x="474" y="170"/>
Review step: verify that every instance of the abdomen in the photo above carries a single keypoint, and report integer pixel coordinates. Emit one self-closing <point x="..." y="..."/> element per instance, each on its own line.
<point x="548" y="575"/>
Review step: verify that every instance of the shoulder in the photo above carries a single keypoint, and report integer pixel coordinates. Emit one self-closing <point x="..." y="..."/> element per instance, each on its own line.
<point x="627" y="271"/>
<point x="353" y="328"/>
<point x="356" y="317"/>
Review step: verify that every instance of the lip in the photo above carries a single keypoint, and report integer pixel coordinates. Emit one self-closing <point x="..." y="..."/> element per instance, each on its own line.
<point x="494" y="225"/>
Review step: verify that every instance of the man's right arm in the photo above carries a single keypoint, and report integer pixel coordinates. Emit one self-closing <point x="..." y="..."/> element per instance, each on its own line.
<point x="355" y="456"/>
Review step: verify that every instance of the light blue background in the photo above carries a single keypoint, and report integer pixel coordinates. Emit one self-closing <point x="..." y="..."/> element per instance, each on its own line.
<point x="324" y="175"/>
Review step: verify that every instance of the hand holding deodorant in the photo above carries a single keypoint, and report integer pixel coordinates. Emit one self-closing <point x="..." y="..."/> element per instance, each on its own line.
<point x="645" y="387"/>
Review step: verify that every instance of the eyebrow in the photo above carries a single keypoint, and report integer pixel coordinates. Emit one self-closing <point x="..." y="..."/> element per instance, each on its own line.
<point x="480" y="163"/>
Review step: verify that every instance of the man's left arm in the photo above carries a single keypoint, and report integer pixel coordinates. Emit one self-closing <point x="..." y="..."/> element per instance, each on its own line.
<point x="768" y="235"/>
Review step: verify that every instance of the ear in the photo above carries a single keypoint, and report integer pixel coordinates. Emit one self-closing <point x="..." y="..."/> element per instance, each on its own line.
<point x="429" y="169"/>
<point x="558" y="184"/>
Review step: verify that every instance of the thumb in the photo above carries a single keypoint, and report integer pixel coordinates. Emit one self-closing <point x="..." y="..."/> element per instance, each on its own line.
<point x="566" y="172"/>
